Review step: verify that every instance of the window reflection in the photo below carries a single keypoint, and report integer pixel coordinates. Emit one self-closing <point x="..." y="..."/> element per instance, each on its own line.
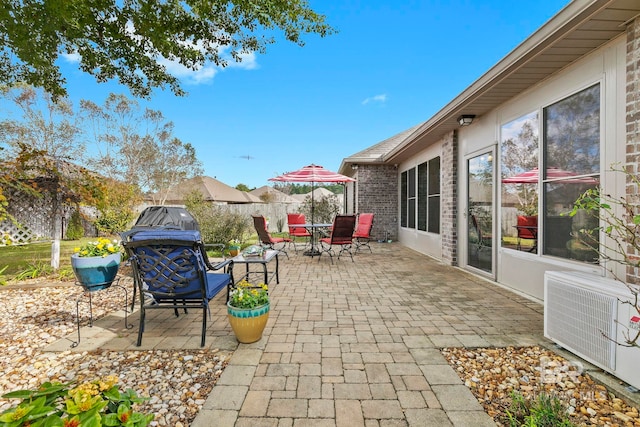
<point x="572" y="158"/>
<point x="520" y="183"/>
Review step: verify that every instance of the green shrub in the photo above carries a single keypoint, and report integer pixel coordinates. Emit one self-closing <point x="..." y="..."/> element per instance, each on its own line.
<point x="324" y="208"/>
<point x="75" y="230"/>
<point x="543" y="411"/>
<point x="217" y="225"/>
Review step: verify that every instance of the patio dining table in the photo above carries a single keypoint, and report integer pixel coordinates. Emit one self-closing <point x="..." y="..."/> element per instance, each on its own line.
<point x="314" y="230"/>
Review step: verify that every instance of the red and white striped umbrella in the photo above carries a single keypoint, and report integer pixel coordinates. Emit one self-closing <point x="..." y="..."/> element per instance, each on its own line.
<point x="532" y="176"/>
<point x="312" y="173"/>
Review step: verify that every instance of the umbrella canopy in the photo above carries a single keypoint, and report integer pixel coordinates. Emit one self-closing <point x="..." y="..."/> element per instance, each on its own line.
<point x="312" y="173"/>
<point x="532" y="176"/>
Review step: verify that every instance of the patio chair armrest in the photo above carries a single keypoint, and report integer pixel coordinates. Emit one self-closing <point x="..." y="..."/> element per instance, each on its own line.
<point x="221" y="264"/>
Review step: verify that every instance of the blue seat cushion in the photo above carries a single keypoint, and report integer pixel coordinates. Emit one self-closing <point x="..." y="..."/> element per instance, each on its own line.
<point x="216" y="282"/>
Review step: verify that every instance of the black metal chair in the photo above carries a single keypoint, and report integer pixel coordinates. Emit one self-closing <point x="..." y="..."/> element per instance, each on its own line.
<point x="341" y="235"/>
<point x="171" y="270"/>
<point x="260" y="224"/>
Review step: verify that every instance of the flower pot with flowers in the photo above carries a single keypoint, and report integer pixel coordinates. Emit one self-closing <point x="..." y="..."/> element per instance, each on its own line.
<point x="96" y="263"/>
<point x="234" y="247"/>
<point x="248" y="311"/>
<point x="96" y="403"/>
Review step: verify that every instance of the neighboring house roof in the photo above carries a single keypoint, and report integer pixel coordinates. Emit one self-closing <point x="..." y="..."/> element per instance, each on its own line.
<point x="211" y="189"/>
<point x="274" y="195"/>
<point x="578" y="29"/>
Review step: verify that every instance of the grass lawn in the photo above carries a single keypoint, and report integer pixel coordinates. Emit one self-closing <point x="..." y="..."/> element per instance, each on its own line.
<point x="36" y="257"/>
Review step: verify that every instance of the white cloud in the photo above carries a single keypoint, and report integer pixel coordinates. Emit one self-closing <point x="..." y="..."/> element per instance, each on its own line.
<point x="206" y="73"/>
<point x="71" y="57"/>
<point x="203" y="74"/>
<point x="382" y="98"/>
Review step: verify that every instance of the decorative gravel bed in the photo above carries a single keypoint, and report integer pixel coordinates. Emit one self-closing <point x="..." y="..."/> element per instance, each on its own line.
<point x="178" y="382"/>
<point x="493" y="373"/>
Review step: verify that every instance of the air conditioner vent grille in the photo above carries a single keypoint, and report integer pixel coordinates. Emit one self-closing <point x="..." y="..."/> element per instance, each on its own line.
<point x="577" y="318"/>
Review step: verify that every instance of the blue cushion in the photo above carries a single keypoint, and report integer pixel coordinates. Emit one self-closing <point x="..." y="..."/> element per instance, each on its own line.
<point x="216" y="282"/>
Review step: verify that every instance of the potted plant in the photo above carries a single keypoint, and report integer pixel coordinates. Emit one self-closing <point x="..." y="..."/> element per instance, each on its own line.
<point x="96" y="403"/>
<point x="248" y="311"/>
<point x="234" y="247"/>
<point x="96" y="263"/>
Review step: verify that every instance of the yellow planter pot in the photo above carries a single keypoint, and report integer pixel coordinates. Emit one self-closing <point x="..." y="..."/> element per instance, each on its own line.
<point x="248" y="323"/>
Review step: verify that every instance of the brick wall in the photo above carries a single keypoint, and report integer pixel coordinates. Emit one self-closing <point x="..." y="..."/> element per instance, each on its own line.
<point x="633" y="119"/>
<point x="449" y="198"/>
<point x="377" y="192"/>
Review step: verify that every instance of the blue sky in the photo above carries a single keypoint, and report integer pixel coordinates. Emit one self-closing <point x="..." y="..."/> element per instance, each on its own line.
<point x="392" y="65"/>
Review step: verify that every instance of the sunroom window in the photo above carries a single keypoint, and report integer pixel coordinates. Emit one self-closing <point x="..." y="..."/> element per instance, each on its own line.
<point x="570" y="153"/>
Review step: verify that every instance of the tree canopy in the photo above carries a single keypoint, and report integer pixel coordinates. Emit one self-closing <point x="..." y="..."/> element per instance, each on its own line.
<point x="128" y="39"/>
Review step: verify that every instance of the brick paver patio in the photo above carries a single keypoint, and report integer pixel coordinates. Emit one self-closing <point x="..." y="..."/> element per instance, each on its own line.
<point x="348" y="344"/>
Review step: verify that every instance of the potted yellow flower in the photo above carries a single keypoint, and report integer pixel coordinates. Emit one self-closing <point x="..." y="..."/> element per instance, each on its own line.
<point x="96" y="263"/>
<point x="248" y="311"/>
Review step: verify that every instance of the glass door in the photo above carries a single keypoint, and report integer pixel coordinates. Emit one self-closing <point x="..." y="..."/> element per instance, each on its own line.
<point x="480" y="173"/>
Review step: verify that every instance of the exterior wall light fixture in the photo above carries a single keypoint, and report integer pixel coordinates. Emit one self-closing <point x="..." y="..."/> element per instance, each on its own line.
<point x="466" y="119"/>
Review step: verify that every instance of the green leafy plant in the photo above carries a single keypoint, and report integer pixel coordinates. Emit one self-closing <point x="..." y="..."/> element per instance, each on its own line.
<point x="618" y="219"/>
<point x="75" y="230"/>
<point x="90" y="404"/>
<point x="217" y="224"/>
<point x="246" y="295"/>
<point x="33" y="270"/>
<point x="101" y="247"/>
<point x="543" y="411"/>
<point x="3" y="280"/>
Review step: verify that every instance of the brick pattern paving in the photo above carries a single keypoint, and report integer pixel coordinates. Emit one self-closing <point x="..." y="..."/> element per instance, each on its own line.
<point x="349" y="344"/>
<point x="356" y="344"/>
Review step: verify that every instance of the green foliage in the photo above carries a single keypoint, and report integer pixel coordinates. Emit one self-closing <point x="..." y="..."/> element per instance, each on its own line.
<point x="618" y="218"/>
<point x="544" y="411"/>
<point x="75" y="230"/>
<point x="246" y="295"/>
<point x="33" y="270"/>
<point x="97" y="403"/>
<point x="280" y="224"/>
<point x="125" y="40"/>
<point x="242" y="187"/>
<point x="216" y="223"/>
<point x="3" y="280"/>
<point x="117" y="207"/>
<point x="325" y="208"/>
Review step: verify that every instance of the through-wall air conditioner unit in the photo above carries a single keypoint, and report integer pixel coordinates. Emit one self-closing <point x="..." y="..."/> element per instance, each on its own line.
<point x="586" y="314"/>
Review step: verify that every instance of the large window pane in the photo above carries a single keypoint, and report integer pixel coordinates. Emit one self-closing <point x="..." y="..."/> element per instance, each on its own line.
<point x="403" y="199"/>
<point x="434" y="195"/>
<point x="411" y="185"/>
<point x="423" y="182"/>
<point x="572" y="165"/>
<point x="434" y="214"/>
<point x="519" y="150"/>
<point x="572" y="134"/>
